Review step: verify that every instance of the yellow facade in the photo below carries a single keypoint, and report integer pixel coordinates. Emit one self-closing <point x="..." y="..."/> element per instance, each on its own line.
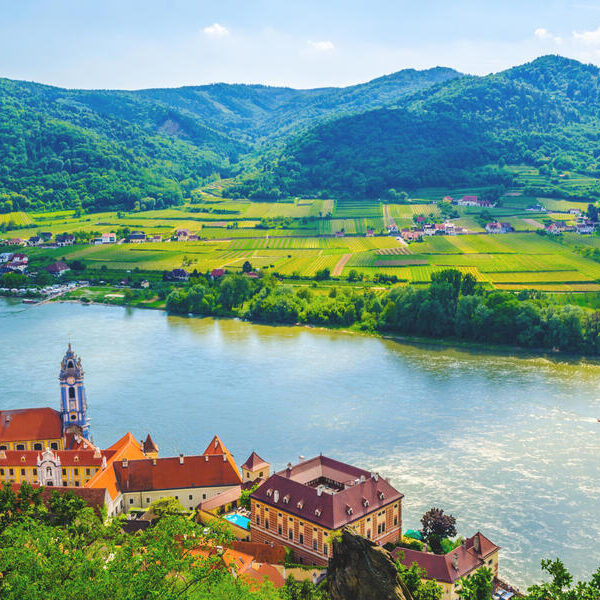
<point x="53" y="444"/>
<point x="71" y="476"/>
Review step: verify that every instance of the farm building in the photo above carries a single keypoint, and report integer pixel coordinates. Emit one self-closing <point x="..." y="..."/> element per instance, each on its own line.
<point x="58" y="268"/>
<point x="496" y="227"/>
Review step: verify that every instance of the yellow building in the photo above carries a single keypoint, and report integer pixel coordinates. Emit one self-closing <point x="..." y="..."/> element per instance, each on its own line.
<point x="447" y="569"/>
<point x="31" y="429"/>
<point x="255" y="468"/>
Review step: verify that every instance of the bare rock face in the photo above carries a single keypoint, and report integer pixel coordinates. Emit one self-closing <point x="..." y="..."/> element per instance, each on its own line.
<point x="361" y="570"/>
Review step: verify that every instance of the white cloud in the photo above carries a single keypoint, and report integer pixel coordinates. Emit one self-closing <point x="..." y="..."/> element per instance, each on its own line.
<point x="323" y="46"/>
<point x="591" y="38"/>
<point x="216" y="30"/>
<point x="544" y="34"/>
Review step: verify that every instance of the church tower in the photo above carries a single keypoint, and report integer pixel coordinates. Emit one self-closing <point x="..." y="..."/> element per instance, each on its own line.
<point x="73" y="403"/>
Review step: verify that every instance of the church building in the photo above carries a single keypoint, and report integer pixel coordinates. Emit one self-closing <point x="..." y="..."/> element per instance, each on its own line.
<point x="41" y="428"/>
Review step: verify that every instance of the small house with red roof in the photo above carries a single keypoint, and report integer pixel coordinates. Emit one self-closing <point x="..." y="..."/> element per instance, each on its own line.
<point x="217" y="273"/>
<point x="58" y="268"/>
<point x="255" y="468"/>
<point x="447" y="569"/>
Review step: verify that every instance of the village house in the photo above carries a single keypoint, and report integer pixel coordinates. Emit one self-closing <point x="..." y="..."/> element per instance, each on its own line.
<point x="536" y="208"/>
<point x="154" y="238"/>
<point x="392" y="228"/>
<point x="58" y="268"/>
<point x="106" y="238"/>
<point x="181" y="235"/>
<point x="447" y="569"/>
<point x="64" y="239"/>
<point x="255" y="468"/>
<point x="6" y="257"/>
<point x="217" y="273"/>
<point x="303" y="505"/>
<point x="556" y="227"/>
<point x="35" y="240"/>
<point x="496" y="227"/>
<point x="340" y="234"/>
<point x="586" y="228"/>
<point x="370" y="233"/>
<point x="16" y="242"/>
<point x="178" y="275"/>
<point x="189" y="479"/>
<point x="136" y="237"/>
<point x="45" y="235"/>
<point x="475" y="201"/>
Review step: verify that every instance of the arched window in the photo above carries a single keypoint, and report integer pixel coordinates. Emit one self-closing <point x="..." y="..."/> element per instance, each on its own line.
<point x="37" y="446"/>
<point x="73" y="417"/>
<point x="71" y="393"/>
<point x="70" y="364"/>
<point x="49" y="471"/>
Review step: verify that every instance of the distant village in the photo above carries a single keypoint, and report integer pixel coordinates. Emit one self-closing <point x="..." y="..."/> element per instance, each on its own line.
<point x="283" y="521"/>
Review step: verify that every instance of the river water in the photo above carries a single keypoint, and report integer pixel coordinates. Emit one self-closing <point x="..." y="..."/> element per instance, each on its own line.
<point x="508" y="444"/>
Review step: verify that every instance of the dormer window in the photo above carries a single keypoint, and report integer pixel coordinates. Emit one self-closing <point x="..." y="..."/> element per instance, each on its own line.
<point x="381" y="495"/>
<point x="318" y="512"/>
<point x="349" y="510"/>
<point x="286" y="498"/>
<point x="269" y="492"/>
<point x="300" y="504"/>
<point x="365" y="502"/>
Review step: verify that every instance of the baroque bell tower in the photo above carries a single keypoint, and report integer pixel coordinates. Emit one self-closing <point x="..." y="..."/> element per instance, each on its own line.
<point x="73" y="403"/>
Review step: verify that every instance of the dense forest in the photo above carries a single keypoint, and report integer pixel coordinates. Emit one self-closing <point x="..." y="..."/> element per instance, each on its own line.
<point x="112" y="149"/>
<point x="544" y="113"/>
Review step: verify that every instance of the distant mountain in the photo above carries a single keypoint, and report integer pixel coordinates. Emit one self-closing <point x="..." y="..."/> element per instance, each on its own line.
<point x="543" y="113"/>
<point x="112" y="149"/>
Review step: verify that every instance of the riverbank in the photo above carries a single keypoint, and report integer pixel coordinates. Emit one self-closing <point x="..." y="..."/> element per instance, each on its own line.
<point x="419" y="341"/>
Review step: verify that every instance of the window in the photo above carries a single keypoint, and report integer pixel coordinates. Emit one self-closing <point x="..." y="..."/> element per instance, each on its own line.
<point x="87" y="472"/>
<point x="147" y="500"/>
<point x="203" y="496"/>
<point x="37" y="446"/>
<point x="54" y="446"/>
<point x="64" y="483"/>
<point x="76" y="471"/>
<point x="368" y="534"/>
<point x="301" y="538"/>
<point x="35" y="472"/>
<point x="279" y="529"/>
<point x="267" y="524"/>
<point x="260" y="474"/>
<point x="325" y="550"/>
<point x="73" y="417"/>
<point x="257" y="519"/>
<point x="291" y="534"/>
<point x="23" y="472"/>
<point x="11" y="472"/>
<point x="71" y="393"/>
<point x="4" y="447"/>
<point x="64" y="471"/>
<point x="190" y="497"/>
<point x="20" y="446"/>
<point x="395" y="521"/>
<point x="77" y="484"/>
<point x="176" y="497"/>
<point x="2" y="472"/>
<point x="315" y="545"/>
<point x="130" y="500"/>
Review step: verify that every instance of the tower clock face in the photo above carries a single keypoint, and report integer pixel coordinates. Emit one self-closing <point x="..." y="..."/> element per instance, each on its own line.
<point x="70" y="380"/>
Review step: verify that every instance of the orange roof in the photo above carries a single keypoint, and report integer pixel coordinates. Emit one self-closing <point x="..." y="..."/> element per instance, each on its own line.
<point x="261" y="572"/>
<point x="217" y="447"/>
<point x="30" y="424"/>
<point x="127" y="447"/>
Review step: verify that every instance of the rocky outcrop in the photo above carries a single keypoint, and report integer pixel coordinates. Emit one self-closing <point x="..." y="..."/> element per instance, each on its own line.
<point x="361" y="570"/>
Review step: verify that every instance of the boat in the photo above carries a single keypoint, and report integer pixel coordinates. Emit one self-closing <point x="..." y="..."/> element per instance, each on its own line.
<point x="29" y="301"/>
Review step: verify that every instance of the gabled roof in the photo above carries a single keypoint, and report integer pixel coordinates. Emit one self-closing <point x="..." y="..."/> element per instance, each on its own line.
<point x="295" y="491"/>
<point x="217" y="447"/>
<point x="255" y="462"/>
<point x="176" y="472"/>
<point x="127" y="447"/>
<point x="452" y="566"/>
<point x="30" y="424"/>
<point x="149" y="445"/>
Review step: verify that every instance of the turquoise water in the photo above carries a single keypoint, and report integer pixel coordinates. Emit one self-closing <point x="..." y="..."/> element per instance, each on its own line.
<point x="238" y="520"/>
<point x="509" y="445"/>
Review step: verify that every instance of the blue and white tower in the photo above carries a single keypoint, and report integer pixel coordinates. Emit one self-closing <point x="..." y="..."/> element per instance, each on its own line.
<point x="73" y="403"/>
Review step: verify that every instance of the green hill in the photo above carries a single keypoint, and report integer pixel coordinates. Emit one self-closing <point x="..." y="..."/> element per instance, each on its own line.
<point x="544" y="113"/>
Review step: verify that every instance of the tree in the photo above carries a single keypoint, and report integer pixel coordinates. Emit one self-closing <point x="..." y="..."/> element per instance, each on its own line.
<point x="592" y="212"/>
<point x="167" y="507"/>
<point x="414" y="577"/>
<point x="247" y="267"/>
<point x="65" y="507"/>
<point x="437" y="525"/>
<point x="478" y="586"/>
<point x="245" y="496"/>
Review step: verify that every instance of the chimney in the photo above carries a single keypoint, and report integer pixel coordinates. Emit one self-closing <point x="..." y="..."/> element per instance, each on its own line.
<point x="154" y="462"/>
<point x="206" y="457"/>
<point x="181" y="459"/>
<point x="455" y="561"/>
<point x="476" y="543"/>
<point x="319" y="490"/>
<point x="376" y="477"/>
<point x="125" y="463"/>
<point x="103" y="462"/>
<point x="224" y="458"/>
<point x="289" y="467"/>
<point x="301" y="458"/>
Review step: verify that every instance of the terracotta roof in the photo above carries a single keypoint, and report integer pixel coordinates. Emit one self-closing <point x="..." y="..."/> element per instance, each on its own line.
<point x="96" y="498"/>
<point x="221" y="499"/>
<point x="57" y="267"/>
<point x="262" y="552"/>
<point x="452" y="566"/>
<point x="149" y="445"/>
<point x="30" y="424"/>
<point x="255" y="462"/>
<point x="68" y="458"/>
<point x="127" y="447"/>
<point x="217" y="447"/>
<point x="176" y="472"/>
<point x="357" y="494"/>
<point x="261" y="572"/>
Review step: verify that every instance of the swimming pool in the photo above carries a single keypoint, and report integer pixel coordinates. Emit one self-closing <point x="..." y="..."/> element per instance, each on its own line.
<point x="239" y="520"/>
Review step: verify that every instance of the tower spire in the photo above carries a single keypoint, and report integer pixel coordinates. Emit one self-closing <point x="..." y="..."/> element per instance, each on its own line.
<point x="73" y="402"/>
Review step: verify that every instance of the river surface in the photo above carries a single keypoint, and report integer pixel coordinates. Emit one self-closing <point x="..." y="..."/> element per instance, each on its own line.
<point x="508" y="444"/>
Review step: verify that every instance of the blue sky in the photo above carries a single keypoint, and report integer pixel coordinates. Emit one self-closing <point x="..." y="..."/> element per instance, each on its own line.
<point x="134" y="44"/>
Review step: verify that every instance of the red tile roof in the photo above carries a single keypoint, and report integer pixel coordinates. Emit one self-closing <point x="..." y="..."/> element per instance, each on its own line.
<point x="230" y="495"/>
<point x="255" y="462"/>
<point x="149" y="445"/>
<point x="68" y="458"/>
<point x="295" y="491"/>
<point x="452" y="566"/>
<point x="176" y="472"/>
<point x="30" y="424"/>
<point x="262" y="552"/>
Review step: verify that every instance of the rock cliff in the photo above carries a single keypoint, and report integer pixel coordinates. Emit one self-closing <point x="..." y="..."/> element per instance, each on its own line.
<point x="361" y="570"/>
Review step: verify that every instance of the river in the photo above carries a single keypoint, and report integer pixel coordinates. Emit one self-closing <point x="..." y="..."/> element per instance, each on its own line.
<point x="508" y="444"/>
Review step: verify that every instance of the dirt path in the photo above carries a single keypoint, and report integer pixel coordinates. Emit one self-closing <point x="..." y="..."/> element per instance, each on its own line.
<point x="339" y="267"/>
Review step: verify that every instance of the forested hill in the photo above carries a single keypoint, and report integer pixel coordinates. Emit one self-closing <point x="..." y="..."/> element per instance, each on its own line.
<point x="103" y="149"/>
<point x="542" y="113"/>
